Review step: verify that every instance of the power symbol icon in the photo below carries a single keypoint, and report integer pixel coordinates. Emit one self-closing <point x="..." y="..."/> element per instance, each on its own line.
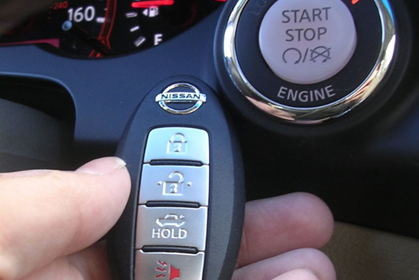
<point x="295" y="56"/>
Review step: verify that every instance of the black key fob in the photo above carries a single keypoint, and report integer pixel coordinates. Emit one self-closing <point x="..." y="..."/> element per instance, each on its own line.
<point x="185" y="214"/>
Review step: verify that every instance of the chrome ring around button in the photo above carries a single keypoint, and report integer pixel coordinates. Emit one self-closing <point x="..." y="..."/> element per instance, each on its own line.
<point x="310" y="115"/>
<point x="194" y="97"/>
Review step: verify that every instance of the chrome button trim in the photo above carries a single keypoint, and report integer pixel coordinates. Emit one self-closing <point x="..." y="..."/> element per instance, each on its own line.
<point x="318" y="114"/>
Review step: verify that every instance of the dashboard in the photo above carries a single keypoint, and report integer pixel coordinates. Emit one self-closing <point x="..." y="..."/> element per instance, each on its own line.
<point x="102" y="28"/>
<point x="89" y="64"/>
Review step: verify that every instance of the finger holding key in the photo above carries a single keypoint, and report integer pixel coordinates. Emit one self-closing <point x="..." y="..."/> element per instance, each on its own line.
<point x="49" y="214"/>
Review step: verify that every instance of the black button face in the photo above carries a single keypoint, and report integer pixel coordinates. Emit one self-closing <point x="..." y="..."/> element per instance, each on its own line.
<point x="304" y="91"/>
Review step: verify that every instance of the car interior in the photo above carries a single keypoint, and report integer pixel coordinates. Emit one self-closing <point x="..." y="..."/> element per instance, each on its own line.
<point x="321" y="95"/>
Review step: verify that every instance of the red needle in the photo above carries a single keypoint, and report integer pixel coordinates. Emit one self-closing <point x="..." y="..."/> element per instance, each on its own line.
<point x="151" y="3"/>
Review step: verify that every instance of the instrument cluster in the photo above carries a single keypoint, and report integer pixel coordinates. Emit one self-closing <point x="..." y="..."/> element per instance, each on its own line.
<point x="100" y="28"/>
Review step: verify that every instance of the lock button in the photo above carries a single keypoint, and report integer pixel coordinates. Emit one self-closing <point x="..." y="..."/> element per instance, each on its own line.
<point x="174" y="183"/>
<point x="177" y="143"/>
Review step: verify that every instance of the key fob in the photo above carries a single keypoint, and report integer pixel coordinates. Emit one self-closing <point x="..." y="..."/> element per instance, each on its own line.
<point x="184" y="217"/>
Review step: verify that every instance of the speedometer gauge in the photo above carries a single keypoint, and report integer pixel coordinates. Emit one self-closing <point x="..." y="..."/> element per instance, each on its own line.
<point x="90" y="21"/>
<point x="91" y="27"/>
<point x="148" y="23"/>
<point x="97" y="28"/>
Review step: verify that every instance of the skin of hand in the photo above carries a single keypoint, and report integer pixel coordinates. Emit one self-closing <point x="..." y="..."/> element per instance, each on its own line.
<point x="51" y="222"/>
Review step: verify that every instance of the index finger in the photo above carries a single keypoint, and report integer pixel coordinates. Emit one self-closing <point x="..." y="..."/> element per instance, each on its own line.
<point x="48" y="214"/>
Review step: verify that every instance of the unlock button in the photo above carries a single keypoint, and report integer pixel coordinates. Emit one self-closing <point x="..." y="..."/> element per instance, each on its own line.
<point x="174" y="183"/>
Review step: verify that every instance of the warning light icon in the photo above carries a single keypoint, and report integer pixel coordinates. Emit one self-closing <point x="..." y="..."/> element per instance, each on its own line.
<point x="166" y="271"/>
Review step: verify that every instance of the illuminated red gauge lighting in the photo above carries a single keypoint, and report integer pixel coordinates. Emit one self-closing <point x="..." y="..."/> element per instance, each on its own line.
<point x="355" y="1"/>
<point x="54" y="42"/>
<point x="151" y="3"/>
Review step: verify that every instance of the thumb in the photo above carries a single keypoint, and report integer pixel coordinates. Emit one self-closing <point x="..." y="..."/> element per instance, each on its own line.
<point x="47" y="214"/>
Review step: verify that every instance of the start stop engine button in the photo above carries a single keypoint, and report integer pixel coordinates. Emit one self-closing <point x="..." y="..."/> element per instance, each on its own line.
<point x="307" y="41"/>
<point x="305" y="61"/>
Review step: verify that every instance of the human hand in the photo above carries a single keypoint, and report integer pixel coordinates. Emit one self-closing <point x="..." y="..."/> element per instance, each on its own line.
<point x="280" y="236"/>
<point x="51" y="221"/>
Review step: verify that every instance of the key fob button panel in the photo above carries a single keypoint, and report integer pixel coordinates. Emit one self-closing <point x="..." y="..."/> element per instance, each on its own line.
<point x="176" y="169"/>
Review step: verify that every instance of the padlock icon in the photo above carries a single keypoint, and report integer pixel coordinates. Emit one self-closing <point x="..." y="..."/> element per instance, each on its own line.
<point x="175" y="185"/>
<point x="177" y="144"/>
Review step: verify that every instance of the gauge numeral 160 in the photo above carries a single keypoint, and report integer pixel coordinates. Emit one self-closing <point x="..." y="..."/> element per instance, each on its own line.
<point x="81" y="14"/>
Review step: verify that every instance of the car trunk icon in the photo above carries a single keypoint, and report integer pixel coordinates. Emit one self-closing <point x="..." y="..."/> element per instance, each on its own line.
<point x="171" y="220"/>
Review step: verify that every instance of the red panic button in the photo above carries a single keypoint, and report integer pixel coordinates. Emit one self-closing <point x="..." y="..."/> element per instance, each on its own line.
<point x="168" y="266"/>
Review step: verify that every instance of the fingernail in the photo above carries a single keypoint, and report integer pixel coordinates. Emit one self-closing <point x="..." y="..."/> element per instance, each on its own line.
<point x="102" y="166"/>
<point x="298" y="274"/>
